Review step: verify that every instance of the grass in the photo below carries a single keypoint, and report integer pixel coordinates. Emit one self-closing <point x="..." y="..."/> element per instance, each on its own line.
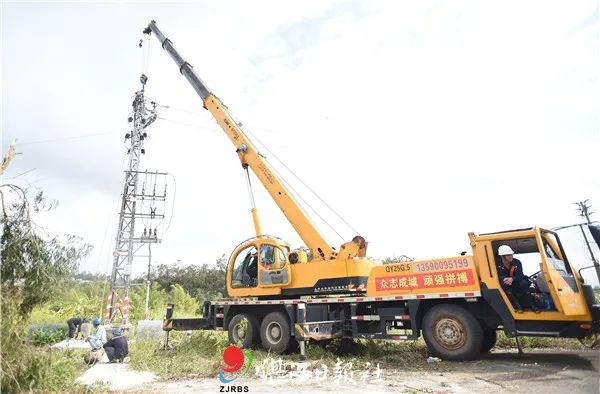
<point x="200" y="357"/>
<point x="505" y="343"/>
<point x="45" y="370"/>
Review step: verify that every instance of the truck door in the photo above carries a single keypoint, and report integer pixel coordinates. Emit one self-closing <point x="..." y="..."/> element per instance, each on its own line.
<point x="558" y="273"/>
<point x="273" y="267"/>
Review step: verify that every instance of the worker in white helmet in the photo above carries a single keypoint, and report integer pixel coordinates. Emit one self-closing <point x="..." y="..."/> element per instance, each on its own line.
<point x="512" y="279"/>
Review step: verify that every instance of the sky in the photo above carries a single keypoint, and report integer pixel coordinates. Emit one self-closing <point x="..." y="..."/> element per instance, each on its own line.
<point x="418" y="122"/>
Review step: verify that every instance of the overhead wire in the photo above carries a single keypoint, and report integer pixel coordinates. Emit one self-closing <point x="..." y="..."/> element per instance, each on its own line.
<point x="197" y="126"/>
<point x="180" y="109"/>
<point x="65" y="138"/>
<point x="23" y="173"/>
<point x="172" y="205"/>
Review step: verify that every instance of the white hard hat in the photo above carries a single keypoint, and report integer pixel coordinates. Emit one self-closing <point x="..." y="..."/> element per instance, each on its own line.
<point x="503" y="250"/>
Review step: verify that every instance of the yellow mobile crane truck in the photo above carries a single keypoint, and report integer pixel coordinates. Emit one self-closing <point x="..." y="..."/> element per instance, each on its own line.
<point x="282" y="299"/>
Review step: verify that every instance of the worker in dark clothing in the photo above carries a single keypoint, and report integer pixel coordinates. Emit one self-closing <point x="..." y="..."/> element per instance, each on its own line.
<point x="74" y="326"/>
<point x="512" y="279"/>
<point x="116" y="348"/>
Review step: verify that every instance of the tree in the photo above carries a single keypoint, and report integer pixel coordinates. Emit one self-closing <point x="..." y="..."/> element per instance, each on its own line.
<point x="34" y="266"/>
<point x="201" y="281"/>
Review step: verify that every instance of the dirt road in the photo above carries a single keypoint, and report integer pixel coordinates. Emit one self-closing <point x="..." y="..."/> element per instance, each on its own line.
<point x="535" y="372"/>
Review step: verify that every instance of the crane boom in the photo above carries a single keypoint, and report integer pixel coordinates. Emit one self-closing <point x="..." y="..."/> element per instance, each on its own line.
<point x="250" y="157"/>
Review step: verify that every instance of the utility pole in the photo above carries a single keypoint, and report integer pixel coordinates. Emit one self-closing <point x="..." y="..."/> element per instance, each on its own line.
<point x="584" y="210"/>
<point x="135" y="204"/>
<point x="583" y="207"/>
<point x="8" y="157"/>
<point x="148" y="284"/>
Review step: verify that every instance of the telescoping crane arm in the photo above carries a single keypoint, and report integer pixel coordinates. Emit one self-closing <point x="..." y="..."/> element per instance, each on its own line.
<point x="249" y="156"/>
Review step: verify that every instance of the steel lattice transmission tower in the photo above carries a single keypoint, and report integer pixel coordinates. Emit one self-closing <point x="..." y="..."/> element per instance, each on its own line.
<point x="130" y="239"/>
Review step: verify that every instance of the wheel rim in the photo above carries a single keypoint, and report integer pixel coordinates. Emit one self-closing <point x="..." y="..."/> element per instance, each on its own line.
<point x="450" y="333"/>
<point x="240" y="332"/>
<point x="273" y="332"/>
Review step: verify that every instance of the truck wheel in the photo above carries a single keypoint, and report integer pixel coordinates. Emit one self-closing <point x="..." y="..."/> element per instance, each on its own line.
<point x="243" y="330"/>
<point x="292" y="346"/>
<point x="452" y="333"/>
<point x="489" y="340"/>
<point x="275" y="332"/>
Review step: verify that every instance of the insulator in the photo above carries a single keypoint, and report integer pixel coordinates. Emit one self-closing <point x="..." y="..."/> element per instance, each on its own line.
<point x="127" y="135"/>
<point x="130" y="119"/>
<point x="143" y="151"/>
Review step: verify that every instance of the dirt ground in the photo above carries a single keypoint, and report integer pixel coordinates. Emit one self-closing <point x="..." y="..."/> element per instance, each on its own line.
<point x="535" y="372"/>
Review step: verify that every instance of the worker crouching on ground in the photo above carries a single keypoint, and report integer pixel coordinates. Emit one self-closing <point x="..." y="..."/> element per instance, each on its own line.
<point x="98" y="339"/>
<point x="116" y="348"/>
<point x="74" y="324"/>
<point x="513" y="281"/>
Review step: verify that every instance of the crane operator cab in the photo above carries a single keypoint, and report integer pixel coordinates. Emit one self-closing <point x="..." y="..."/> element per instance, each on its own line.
<point x="257" y="267"/>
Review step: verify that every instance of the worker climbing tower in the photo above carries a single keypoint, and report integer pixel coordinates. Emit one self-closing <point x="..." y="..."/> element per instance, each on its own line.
<point x="142" y="192"/>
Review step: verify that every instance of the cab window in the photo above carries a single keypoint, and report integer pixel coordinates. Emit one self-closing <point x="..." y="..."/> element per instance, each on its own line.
<point x="271" y="257"/>
<point x="245" y="268"/>
<point x="553" y="257"/>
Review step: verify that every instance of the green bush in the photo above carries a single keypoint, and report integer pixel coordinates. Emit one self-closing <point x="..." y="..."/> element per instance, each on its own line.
<point x="48" y="336"/>
<point x="44" y="371"/>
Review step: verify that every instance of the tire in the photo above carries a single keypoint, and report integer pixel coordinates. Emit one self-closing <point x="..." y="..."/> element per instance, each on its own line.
<point x="452" y="333"/>
<point x="243" y="335"/>
<point x="347" y="346"/>
<point x="292" y="346"/>
<point x="489" y="340"/>
<point x="275" y="333"/>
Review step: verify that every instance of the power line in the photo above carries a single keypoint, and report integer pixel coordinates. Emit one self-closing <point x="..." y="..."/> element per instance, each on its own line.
<point x="65" y="138"/>
<point x="23" y="173"/>
<point x="197" y="126"/>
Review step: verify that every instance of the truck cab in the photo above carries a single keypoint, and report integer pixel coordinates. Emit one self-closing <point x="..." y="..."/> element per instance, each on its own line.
<point x="561" y="304"/>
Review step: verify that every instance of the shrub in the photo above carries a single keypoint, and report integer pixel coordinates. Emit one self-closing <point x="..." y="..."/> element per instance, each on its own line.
<point x="48" y="335"/>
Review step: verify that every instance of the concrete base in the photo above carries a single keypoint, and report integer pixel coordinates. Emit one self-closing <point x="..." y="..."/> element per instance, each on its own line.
<point x="72" y="344"/>
<point x="115" y="376"/>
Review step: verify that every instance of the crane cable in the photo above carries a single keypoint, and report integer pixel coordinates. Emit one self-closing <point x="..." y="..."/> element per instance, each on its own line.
<point x="297" y="195"/>
<point x="272" y="154"/>
<point x="145" y="60"/>
<point x="301" y="181"/>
